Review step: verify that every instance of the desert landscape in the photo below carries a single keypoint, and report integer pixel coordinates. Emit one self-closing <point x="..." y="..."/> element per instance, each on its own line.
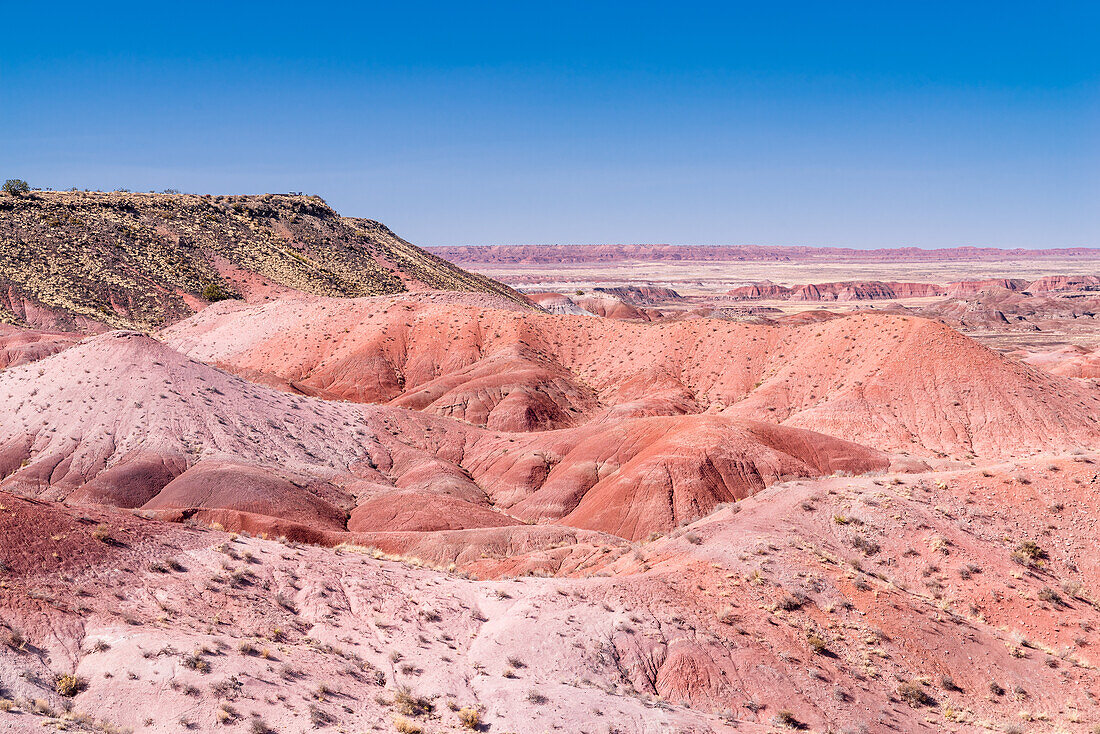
<point x="1038" y="304"/>
<point x="550" y="368"/>
<point x="265" y="468"/>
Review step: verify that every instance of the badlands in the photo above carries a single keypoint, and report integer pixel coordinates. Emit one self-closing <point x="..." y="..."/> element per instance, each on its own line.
<point x="264" y="468"/>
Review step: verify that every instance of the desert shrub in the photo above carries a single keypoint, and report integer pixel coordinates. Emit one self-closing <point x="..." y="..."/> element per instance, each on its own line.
<point x="16" y="187"/>
<point x="817" y="645"/>
<point x="319" y="717"/>
<point x="195" y="661"/>
<point x="69" y="685"/>
<point x="216" y="292"/>
<point x="790" y="602"/>
<point x="15" y="640"/>
<point x="469" y="718"/>
<point x="915" y="695"/>
<point x="1028" y="553"/>
<point x="537" y="698"/>
<point x="102" y="533"/>
<point x="868" y="546"/>
<point x="1050" y="595"/>
<point x="286" y="603"/>
<point x="788" y="720"/>
<point x="409" y="704"/>
<point x="406" y="726"/>
<point x="226" y="714"/>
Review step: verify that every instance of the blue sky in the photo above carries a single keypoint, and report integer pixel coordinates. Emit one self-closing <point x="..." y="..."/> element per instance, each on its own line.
<point x="826" y="123"/>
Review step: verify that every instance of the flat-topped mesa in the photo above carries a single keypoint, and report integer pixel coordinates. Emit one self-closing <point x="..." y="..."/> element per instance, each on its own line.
<point x="643" y="295"/>
<point x="1064" y="283"/>
<point x="871" y="290"/>
<point x="92" y="260"/>
<point x="863" y="291"/>
<point x="967" y="288"/>
<point x="760" y="292"/>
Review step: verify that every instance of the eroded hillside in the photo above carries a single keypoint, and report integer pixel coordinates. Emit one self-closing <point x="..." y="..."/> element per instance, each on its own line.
<point x="93" y="260"/>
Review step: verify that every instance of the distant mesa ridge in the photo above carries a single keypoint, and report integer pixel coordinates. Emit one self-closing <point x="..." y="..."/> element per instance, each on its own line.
<point x="872" y="290"/>
<point x="573" y="254"/>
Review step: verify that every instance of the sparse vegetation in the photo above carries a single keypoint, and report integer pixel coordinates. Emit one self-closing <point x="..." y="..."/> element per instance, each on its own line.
<point x="409" y="704"/>
<point x="915" y="695"/>
<point x="16" y="187"/>
<point x="469" y="718"/>
<point x="214" y="292"/>
<point x="195" y="661"/>
<point x="1028" y="553"/>
<point x="68" y="685"/>
<point x="405" y="725"/>
<point x="817" y="645"/>
<point x="790" y="602"/>
<point x="788" y="720"/>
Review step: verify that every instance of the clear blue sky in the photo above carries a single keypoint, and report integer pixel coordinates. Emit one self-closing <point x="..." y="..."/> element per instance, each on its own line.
<point x="834" y="123"/>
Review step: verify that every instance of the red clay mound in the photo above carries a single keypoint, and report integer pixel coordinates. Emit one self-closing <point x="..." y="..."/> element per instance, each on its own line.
<point x="601" y="304"/>
<point x="124" y="420"/>
<point x="558" y="303"/>
<point x="229" y="486"/>
<point x="637" y="476"/>
<point x="687" y="466"/>
<point x="641" y="295"/>
<point x="610" y="307"/>
<point x="130" y="483"/>
<point x="888" y="381"/>
<point x="21" y="346"/>
<point x="1066" y="361"/>
<point x="919" y="384"/>
<point x="422" y="512"/>
<point x="863" y="291"/>
<point x="1002" y="309"/>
